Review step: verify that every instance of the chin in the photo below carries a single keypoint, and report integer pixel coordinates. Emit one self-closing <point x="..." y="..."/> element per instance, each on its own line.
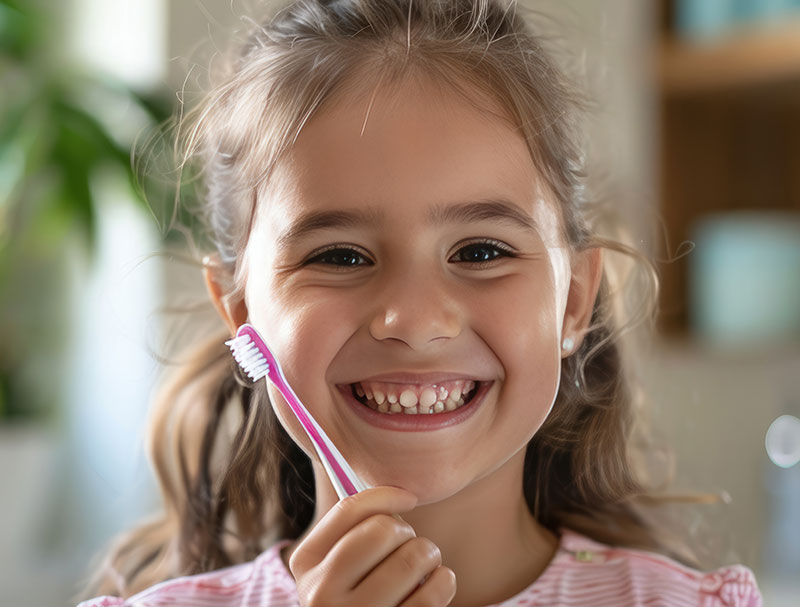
<point x="429" y="486"/>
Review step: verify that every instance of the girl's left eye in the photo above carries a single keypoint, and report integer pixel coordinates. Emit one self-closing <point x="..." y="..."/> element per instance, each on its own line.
<point x="481" y="252"/>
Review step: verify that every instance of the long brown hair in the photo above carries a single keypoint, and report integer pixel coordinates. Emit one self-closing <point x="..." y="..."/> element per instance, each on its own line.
<point x="231" y="478"/>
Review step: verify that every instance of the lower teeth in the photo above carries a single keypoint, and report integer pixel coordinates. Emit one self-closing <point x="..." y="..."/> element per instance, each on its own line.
<point x="395" y="408"/>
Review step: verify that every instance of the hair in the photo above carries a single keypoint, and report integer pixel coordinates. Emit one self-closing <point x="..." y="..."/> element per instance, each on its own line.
<point x="232" y="479"/>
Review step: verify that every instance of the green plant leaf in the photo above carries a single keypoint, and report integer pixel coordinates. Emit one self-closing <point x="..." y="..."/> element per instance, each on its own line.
<point x="18" y="30"/>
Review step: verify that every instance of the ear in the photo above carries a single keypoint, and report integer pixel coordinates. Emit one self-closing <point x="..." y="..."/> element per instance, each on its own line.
<point x="587" y="273"/>
<point x="233" y="313"/>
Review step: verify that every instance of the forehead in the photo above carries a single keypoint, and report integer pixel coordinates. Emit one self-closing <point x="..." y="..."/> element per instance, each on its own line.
<point x="401" y="147"/>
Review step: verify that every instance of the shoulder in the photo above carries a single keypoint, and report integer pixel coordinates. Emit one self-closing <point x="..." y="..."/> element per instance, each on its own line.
<point x="264" y="582"/>
<point x="626" y="577"/>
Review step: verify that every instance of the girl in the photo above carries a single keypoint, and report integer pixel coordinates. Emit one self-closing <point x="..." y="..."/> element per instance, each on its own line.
<point x="394" y="189"/>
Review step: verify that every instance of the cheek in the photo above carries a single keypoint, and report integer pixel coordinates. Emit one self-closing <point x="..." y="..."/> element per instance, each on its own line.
<point x="536" y="358"/>
<point x="522" y="330"/>
<point x="308" y="336"/>
<point x="521" y="314"/>
<point x="299" y="330"/>
<point x="305" y="336"/>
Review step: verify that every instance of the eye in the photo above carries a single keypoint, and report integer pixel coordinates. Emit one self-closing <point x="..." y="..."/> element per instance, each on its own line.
<point x="340" y="257"/>
<point x="482" y="252"/>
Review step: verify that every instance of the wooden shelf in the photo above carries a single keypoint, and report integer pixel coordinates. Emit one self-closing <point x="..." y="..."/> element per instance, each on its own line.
<point x="729" y="112"/>
<point x="729" y="136"/>
<point x="752" y="56"/>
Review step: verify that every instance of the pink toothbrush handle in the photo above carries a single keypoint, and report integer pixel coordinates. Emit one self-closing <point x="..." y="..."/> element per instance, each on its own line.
<point x="347" y="482"/>
<point x="311" y="430"/>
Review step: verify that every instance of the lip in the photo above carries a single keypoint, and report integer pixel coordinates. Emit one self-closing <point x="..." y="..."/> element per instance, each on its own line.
<point x="421" y="422"/>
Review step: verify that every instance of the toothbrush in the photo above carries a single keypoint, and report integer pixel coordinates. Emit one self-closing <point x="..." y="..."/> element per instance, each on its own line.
<point x="257" y="361"/>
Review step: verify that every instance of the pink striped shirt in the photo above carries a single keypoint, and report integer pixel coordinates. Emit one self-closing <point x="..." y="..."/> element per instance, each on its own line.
<point x="583" y="572"/>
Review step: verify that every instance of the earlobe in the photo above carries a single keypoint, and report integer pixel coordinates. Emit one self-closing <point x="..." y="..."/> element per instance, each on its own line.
<point x="587" y="273"/>
<point x="233" y="313"/>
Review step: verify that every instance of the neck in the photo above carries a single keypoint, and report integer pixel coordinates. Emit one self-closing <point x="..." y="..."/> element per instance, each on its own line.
<point x="503" y="552"/>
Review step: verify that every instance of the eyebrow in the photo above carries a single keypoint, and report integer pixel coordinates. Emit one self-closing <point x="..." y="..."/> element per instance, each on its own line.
<point x="482" y="210"/>
<point x="313" y="221"/>
<point x="467" y="212"/>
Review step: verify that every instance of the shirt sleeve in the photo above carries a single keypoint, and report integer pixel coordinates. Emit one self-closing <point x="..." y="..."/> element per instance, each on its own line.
<point x="733" y="586"/>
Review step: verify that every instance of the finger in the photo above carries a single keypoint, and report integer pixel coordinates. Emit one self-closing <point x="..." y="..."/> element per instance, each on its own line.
<point x="438" y="590"/>
<point x="346" y="514"/>
<point x="399" y="574"/>
<point x="364" y="547"/>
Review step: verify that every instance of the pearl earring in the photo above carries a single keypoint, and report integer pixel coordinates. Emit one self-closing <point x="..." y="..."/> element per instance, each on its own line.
<point x="568" y="344"/>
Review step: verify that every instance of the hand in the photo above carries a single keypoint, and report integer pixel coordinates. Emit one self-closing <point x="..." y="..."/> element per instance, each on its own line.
<point x="361" y="555"/>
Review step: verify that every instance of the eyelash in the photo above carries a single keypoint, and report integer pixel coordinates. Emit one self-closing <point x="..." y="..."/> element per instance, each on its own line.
<point x="500" y="250"/>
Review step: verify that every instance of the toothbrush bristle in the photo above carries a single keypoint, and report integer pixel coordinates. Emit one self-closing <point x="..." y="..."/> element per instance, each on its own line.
<point x="249" y="357"/>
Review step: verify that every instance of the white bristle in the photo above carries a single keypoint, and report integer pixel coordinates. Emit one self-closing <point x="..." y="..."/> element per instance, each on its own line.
<point x="249" y="357"/>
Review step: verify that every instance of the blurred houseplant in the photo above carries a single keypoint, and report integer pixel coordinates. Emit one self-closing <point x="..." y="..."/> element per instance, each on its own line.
<point x="55" y="137"/>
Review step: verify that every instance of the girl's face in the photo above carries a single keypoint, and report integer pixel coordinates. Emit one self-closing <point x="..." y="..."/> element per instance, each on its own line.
<point x="405" y="262"/>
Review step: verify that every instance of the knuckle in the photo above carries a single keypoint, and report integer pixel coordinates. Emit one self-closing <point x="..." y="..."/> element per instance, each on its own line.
<point x="418" y="552"/>
<point x="313" y="592"/>
<point x="355" y="502"/>
<point x="296" y="564"/>
<point x="302" y="561"/>
<point x="384" y="530"/>
<point x="438" y="591"/>
<point x="407" y="562"/>
<point x="345" y="504"/>
<point x="449" y="582"/>
<point x="388" y="525"/>
<point x="427" y="550"/>
<point x="312" y="597"/>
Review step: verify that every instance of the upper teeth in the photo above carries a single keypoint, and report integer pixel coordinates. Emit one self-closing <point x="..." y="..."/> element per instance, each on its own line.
<point x="415" y="398"/>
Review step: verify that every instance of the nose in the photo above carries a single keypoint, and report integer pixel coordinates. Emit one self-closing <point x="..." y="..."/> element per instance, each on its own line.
<point x="416" y="308"/>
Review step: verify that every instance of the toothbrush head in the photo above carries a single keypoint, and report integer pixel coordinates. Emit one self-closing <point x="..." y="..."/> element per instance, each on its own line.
<point x="250" y="351"/>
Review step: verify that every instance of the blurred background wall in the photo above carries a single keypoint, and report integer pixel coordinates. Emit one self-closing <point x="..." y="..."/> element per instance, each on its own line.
<point x="695" y="122"/>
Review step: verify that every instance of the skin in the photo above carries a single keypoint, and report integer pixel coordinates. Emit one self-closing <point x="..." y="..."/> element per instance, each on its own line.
<point x="406" y="298"/>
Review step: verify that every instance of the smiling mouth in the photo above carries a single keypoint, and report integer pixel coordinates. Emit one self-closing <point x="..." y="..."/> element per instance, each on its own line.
<point x="394" y="399"/>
